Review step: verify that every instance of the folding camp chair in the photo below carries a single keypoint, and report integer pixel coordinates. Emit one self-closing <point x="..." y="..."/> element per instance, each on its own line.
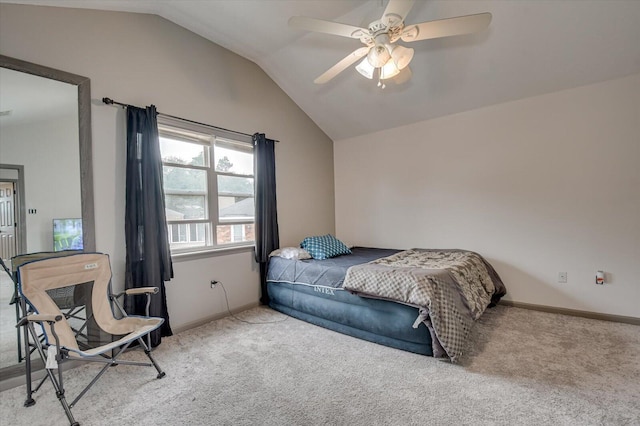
<point x="70" y="300"/>
<point x="60" y="342"/>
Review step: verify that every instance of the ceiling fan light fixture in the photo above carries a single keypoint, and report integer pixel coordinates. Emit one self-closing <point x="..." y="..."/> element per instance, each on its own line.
<point x="378" y="55"/>
<point x="389" y="70"/>
<point x="365" y="68"/>
<point x="381" y="54"/>
<point x="402" y="56"/>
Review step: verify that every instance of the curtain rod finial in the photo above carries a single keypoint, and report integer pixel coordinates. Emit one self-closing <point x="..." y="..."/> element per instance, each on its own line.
<point x="107" y="101"/>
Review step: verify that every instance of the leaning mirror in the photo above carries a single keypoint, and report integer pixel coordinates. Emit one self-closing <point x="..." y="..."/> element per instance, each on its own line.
<point x="46" y="178"/>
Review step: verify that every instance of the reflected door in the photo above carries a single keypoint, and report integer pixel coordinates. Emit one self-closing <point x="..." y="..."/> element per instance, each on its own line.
<point x="7" y="221"/>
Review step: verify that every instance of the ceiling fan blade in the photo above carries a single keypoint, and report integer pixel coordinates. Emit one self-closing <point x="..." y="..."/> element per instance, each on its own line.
<point x="342" y="65"/>
<point x="396" y="11"/>
<point x="446" y="27"/>
<point x="328" y="27"/>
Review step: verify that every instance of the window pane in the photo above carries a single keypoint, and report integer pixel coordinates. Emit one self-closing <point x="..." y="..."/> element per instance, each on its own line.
<point x="182" y="233"/>
<point x="180" y="152"/>
<point x="181" y="179"/>
<point x="228" y="234"/>
<point x="237" y="186"/>
<point x="235" y="208"/>
<point x="182" y="207"/>
<point x="193" y="156"/>
<point x="233" y="161"/>
<point x="188" y="235"/>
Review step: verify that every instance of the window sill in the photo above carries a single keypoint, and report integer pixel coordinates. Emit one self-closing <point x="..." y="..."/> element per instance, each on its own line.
<point x="212" y="252"/>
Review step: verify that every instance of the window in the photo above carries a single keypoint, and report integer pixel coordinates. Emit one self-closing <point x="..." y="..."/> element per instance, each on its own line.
<point x="208" y="186"/>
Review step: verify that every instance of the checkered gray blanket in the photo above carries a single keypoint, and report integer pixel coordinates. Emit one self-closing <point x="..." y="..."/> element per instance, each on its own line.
<point x="452" y="288"/>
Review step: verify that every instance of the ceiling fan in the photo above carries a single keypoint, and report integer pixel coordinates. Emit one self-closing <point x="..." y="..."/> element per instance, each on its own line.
<point x="382" y="55"/>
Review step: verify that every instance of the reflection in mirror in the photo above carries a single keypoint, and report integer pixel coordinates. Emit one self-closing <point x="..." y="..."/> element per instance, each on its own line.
<point x="46" y="180"/>
<point x="39" y="131"/>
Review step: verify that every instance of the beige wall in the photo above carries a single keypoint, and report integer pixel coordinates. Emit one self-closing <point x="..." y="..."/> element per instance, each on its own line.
<point x="141" y="60"/>
<point x="538" y="186"/>
<point x="52" y="188"/>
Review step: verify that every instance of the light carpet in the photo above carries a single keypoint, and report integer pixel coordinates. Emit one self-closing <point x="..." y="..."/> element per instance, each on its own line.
<point x="522" y="368"/>
<point x="8" y="337"/>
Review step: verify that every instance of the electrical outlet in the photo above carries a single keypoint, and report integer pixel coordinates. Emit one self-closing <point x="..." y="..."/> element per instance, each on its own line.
<point x="214" y="283"/>
<point x="562" y="277"/>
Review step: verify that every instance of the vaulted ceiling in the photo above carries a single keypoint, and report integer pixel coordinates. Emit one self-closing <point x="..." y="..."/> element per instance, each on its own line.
<point x="531" y="47"/>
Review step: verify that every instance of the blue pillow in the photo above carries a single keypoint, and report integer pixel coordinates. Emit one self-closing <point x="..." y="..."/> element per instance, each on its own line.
<point x="324" y="247"/>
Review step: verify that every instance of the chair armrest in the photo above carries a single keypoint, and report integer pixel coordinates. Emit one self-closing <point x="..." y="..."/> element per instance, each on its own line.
<point x="148" y="291"/>
<point x="51" y="319"/>
<point x="39" y="318"/>
<point x="141" y="290"/>
<point x="137" y="291"/>
<point x="44" y="318"/>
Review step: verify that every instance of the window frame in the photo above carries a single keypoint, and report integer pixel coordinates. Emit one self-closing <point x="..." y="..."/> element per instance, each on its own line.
<point x="210" y="137"/>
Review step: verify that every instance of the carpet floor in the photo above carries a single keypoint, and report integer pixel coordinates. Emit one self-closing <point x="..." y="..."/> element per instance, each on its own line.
<point x="8" y="339"/>
<point x="522" y="368"/>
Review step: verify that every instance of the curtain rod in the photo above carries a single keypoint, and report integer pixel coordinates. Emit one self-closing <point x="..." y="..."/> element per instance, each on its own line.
<point x="110" y="101"/>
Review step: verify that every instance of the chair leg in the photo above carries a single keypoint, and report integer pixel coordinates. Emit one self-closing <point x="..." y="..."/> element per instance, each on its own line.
<point x="63" y="400"/>
<point x="27" y="329"/>
<point x="95" y="379"/>
<point x="147" y="351"/>
<point x="19" y="331"/>
<point x="57" y="383"/>
<point x="59" y="388"/>
<point x="146" y="310"/>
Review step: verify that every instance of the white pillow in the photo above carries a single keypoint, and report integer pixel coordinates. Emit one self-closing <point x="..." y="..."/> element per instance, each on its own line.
<point x="291" y="253"/>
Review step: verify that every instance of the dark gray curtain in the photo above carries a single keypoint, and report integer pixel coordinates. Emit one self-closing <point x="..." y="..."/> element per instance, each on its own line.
<point x="148" y="259"/>
<point x="267" y="240"/>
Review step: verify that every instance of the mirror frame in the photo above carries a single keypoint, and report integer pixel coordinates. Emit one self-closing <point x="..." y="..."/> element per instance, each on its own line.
<point x="84" y="137"/>
<point x="86" y="168"/>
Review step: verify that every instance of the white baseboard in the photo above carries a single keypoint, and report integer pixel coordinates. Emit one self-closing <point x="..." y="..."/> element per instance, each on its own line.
<point x="573" y="312"/>
<point x="214" y="317"/>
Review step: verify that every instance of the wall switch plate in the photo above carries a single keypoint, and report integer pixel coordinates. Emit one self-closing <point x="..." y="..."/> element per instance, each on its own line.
<point x="562" y="277"/>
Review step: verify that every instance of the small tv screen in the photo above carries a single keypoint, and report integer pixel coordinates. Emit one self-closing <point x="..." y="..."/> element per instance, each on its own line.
<point x="67" y="234"/>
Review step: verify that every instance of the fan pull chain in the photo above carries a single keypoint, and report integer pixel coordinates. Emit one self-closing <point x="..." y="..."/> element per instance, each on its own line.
<point x="381" y="85"/>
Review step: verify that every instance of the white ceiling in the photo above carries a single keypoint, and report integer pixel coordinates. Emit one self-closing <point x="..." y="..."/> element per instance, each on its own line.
<point x="532" y="47"/>
<point x="27" y="97"/>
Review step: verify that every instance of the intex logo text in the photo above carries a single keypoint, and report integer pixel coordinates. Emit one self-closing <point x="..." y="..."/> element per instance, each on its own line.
<point x="324" y="290"/>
